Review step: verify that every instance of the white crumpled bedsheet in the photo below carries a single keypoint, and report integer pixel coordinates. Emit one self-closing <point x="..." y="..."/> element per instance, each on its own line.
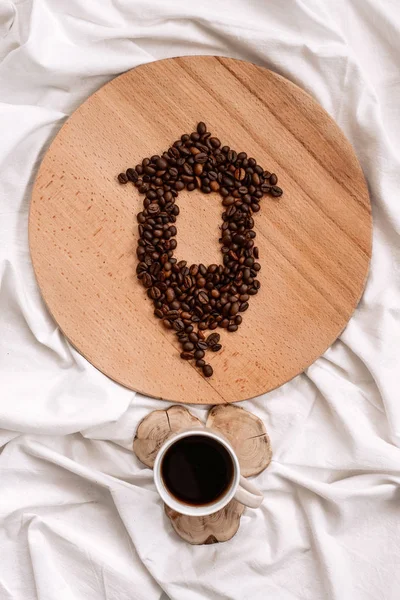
<point x="79" y="516"/>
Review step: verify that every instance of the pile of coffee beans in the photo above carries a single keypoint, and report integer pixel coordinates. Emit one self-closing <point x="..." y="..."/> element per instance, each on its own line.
<point x="191" y="299"/>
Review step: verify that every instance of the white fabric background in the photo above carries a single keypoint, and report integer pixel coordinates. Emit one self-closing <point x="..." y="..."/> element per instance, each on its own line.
<point x="79" y="517"/>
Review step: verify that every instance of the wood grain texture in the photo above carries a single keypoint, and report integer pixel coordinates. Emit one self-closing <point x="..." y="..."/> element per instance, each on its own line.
<point x="212" y="529"/>
<point x="157" y="427"/>
<point x="247" y="434"/>
<point x="315" y="243"/>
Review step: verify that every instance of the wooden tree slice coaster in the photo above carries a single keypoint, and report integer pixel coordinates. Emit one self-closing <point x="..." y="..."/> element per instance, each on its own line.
<point x="248" y="436"/>
<point x="246" y="433"/>
<point x="219" y="527"/>
<point x="157" y="427"/>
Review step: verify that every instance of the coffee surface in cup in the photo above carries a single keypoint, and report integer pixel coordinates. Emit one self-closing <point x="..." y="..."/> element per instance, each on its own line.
<point x="197" y="470"/>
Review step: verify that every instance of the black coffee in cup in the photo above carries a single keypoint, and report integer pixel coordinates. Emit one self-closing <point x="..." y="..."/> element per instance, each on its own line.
<point x="197" y="470"/>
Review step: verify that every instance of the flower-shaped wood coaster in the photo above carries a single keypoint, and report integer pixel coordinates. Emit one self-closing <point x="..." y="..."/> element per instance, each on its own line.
<point x="245" y="432"/>
<point x="157" y="427"/>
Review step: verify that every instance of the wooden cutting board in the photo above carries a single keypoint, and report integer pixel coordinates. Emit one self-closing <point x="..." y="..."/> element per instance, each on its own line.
<point x="315" y="242"/>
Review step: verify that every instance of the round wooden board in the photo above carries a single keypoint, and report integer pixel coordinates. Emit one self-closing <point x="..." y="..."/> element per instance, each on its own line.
<point x="315" y="242"/>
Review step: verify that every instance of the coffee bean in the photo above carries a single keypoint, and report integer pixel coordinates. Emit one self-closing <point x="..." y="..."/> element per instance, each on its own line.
<point x="216" y="347"/>
<point x="153" y="208"/>
<point x="201" y="128"/>
<point x="214" y="186"/>
<point x="202" y="345"/>
<point x="178" y="325"/>
<point x="273" y="179"/>
<point x="199" y="354"/>
<point x="198" y="169"/>
<point x="122" y="178"/>
<point x="161" y="164"/>
<point x="201" y="157"/>
<point x="212" y="339"/>
<point x="188" y="346"/>
<point x="240" y="174"/>
<point x="276" y="191"/>
<point x="234" y="308"/>
<point x="200" y="363"/>
<point x="207" y="370"/>
<point x="154" y="293"/>
<point x="203" y="298"/>
<point x="232" y="327"/>
<point x="186" y="355"/>
<point x="169" y="294"/>
<point x="228" y="181"/>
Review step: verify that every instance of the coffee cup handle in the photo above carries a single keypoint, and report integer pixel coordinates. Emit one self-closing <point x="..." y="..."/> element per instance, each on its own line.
<point x="248" y="494"/>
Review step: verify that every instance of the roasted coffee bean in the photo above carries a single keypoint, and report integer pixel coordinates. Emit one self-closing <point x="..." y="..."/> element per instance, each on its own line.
<point x="214" y="186"/>
<point x="123" y="178"/>
<point x="193" y="299"/>
<point x="212" y="339"/>
<point x="240" y="174"/>
<point x="234" y="308"/>
<point x="132" y="175"/>
<point x="186" y="356"/>
<point x="178" y="325"/>
<point x="153" y="208"/>
<point x="215" y="143"/>
<point x="202" y="345"/>
<point x="203" y="298"/>
<point x="154" y="293"/>
<point x="207" y="370"/>
<point x="201" y="128"/>
<point x="273" y="179"/>
<point x="169" y="294"/>
<point x="276" y="191"/>
<point x="161" y="164"/>
<point x="188" y="346"/>
<point x="228" y="181"/>
<point x="216" y="347"/>
<point x="201" y="157"/>
<point x="198" y="169"/>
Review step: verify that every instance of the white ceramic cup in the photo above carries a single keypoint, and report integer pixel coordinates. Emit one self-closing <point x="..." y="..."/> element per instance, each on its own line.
<point x="239" y="488"/>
